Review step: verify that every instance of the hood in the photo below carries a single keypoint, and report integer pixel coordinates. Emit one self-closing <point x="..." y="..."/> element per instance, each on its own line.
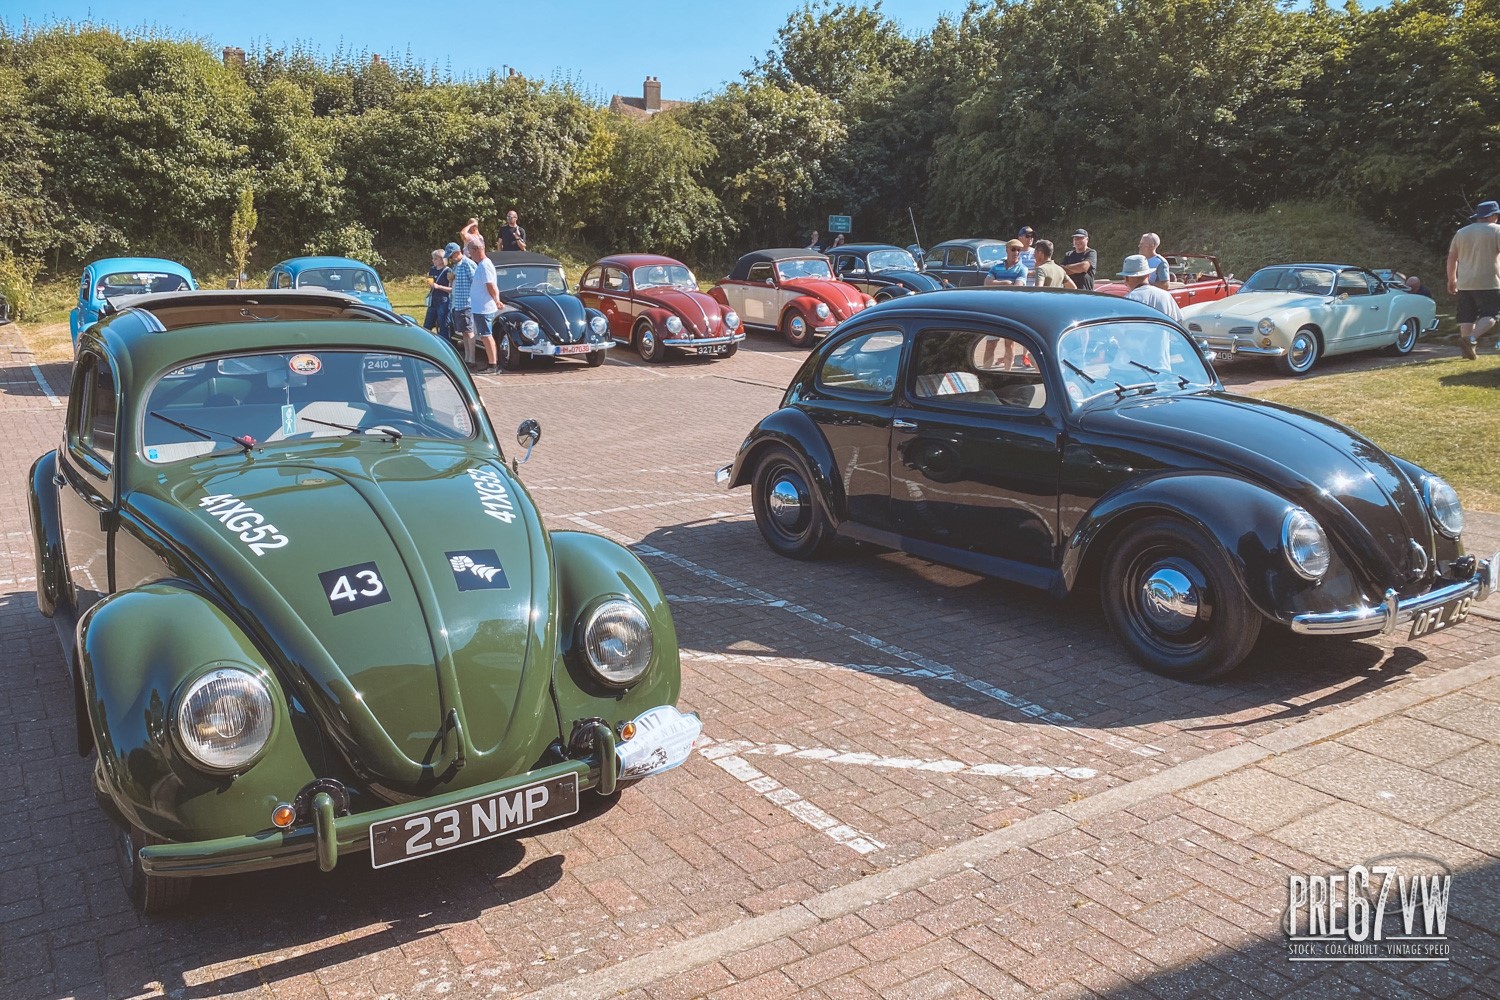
<point x="844" y="300"/>
<point x="1251" y="306"/>
<point x="562" y="317"/>
<point x="456" y="622"/>
<point x="915" y="280"/>
<point x="1354" y="489"/>
<point x="699" y="313"/>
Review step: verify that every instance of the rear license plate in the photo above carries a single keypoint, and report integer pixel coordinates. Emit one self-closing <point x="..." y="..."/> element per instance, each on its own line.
<point x="434" y="831"/>
<point x="712" y="349"/>
<point x="1443" y="616"/>
<point x="573" y="349"/>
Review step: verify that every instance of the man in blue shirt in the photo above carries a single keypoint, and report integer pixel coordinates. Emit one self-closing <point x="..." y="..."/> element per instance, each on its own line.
<point x="1027" y="236"/>
<point x="1010" y="271"/>
<point x="463" y="282"/>
<point x="1161" y="271"/>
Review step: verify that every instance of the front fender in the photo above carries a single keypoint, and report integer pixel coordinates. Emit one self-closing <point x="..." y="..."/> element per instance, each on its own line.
<point x="794" y="429"/>
<point x="75" y="325"/>
<point x="807" y="305"/>
<point x="46" y="535"/>
<point x="657" y="317"/>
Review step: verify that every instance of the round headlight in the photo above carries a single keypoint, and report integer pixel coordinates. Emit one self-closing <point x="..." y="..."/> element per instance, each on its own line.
<point x="1305" y="544"/>
<point x="1442" y="502"/>
<point x="1265" y="326"/>
<point x="224" y="719"/>
<point x="732" y="319"/>
<point x="598" y="324"/>
<point x="674" y="325"/>
<point x="530" y="330"/>
<point x="617" y="639"/>
<point x="822" y="310"/>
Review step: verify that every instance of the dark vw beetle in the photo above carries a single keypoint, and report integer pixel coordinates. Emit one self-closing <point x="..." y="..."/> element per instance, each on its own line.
<point x="880" y="271"/>
<point x="1055" y="439"/>
<point x="544" y="321"/>
<point x="306" y="607"/>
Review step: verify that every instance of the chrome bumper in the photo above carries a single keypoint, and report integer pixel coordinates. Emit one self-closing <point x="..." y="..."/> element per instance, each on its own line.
<point x="550" y="349"/>
<point x="1433" y="325"/>
<point x="1391" y="613"/>
<point x="1237" y="345"/>
<point x="721" y="477"/>
<point x="733" y="338"/>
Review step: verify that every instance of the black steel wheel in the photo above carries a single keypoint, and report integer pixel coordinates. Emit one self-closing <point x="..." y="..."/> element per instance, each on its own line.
<point x="511" y="355"/>
<point x="786" y="511"/>
<point x="647" y="344"/>
<point x="1175" y="603"/>
<point x="1302" y="353"/>
<point x="1406" y="338"/>
<point x="150" y="894"/>
<point x="795" y="328"/>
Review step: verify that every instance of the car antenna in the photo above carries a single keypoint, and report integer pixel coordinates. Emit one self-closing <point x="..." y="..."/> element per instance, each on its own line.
<point x="913" y="216"/>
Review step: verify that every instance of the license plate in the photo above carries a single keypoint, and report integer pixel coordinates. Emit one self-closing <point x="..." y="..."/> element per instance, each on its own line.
<point x="1443" y="616"/>
<point x="434" y="831"/>
<point x="573" y="349"/>
<point x="663" y="739"/>
<point x="712" y="349"/>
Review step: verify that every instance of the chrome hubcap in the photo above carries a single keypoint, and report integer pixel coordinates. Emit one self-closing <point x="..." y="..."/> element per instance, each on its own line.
<point x="1169" y="600"/>
<point x="799" y="327"/>
<point x="1302" y="347"/>
<point x="786" y="503"/>
<point x="648" y="342"/>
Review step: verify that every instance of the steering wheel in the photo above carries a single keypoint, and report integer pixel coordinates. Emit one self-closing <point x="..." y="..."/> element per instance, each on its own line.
<point x="535" y="286"/>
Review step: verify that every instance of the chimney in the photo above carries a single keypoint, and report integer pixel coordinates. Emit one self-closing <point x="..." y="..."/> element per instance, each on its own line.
<point x="375" y="59"/>
<point x="652" y="93"/>
<point x="234" y="58"/>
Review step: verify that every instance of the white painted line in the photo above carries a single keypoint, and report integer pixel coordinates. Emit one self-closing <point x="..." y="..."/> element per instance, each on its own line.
<point x="828" y="755"/>
<point x="633" y="364"/>
<point x="41" y="380"/>
<point x="778" y="794"/>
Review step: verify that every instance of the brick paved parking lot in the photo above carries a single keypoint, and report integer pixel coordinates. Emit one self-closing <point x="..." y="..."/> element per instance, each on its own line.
<point x="914" y="782"/>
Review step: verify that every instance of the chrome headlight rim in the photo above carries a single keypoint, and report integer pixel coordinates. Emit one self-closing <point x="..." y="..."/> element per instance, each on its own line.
<point x="530" y="329"/>
<point x="1298" y="529"/>
<point x="1447" y="518"/>
<point x="732" y="319"/>
<point x="822" y="310"/>
<point x="615" y="606"/>
<point x="185" y="715"/>
<point x="598" y="325"/>
<point x="1266" y="326"/>
<point x="674" y="325"/>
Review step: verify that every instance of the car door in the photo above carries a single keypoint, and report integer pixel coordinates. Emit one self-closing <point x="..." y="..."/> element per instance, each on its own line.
<point x="962" y="268"/>
<point x="759" y="299"/>
<point x="87" y="487"/>
<point x="608" y="290"/>
<point x="1373" y="309"/>
<point x="851" y="268"/>
<point x="1347" y="327"/>
<point x="974" y="445"/>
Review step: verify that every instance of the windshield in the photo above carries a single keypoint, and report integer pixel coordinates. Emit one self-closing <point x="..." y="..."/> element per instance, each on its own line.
<point x="531" y="278"/>
<point x="1187" y="269"/>
<point x="803" y="267"/>
<point x="340" y="279"/>
<point x="285" y="396"/>
<point x="666" y="276"/>
<point x="1307" y="280"/>
<point x="891" y="260"/>
<point x="991" y="253"/>
<point x="1135" y="354"/>
<point x="112" y="286"/>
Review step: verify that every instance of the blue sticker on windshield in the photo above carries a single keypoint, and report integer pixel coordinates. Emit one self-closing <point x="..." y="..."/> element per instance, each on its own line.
<point x="288" y="420"/>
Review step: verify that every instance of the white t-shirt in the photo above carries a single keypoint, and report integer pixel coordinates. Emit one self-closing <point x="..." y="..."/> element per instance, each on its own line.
<point x="479" y="293"/>
<point x="1156" y="298"/>
<point x="1028" y="261"/>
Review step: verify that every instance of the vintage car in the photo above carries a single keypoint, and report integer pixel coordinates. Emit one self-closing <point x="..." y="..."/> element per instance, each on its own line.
<point x="963" y="263"/>
<point x="880" y="271"/>
<point x="306" y="607"/>
<point x="1061" y="440"/>
<point x="337" y="274"/>
<point x="793" y="291"/>
<point x="544" y="321"/>
<point x="1298" y="313"/>
<point x="1195" y="277"/>
<point x="116" y="277"/>
<point x="653" y="304"/>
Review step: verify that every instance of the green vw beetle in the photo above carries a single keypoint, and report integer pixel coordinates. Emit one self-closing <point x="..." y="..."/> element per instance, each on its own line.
<point x="308" y="609"/>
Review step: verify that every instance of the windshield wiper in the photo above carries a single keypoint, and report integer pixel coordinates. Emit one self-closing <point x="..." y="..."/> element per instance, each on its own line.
<point x="245" y="441"/>
<point x="1144" y="368"/>
<point x="1146" y="388"/>
<point x="389" y="432"/>
<point x="1078" y="371"/>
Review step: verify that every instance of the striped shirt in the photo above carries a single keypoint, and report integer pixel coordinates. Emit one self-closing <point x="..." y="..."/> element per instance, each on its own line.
<point x="463" y="278"/>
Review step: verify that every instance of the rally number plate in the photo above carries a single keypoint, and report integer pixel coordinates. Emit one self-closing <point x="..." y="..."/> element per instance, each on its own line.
<point x="1441" y="617"/>
<point x="573" y="349"/>
<point x="434" y="831"/>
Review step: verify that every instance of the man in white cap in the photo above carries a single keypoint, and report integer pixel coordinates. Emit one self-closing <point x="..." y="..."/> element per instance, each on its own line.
<point x="1474" y="276"/>
<point x="1137" y="275"/>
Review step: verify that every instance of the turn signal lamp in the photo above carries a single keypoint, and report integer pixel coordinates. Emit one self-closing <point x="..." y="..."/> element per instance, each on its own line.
<point x="627" y="731"/>
<point x="283" y="816"/>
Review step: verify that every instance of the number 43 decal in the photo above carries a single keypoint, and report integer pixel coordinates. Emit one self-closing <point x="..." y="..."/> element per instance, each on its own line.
<point x="354" y="587"/>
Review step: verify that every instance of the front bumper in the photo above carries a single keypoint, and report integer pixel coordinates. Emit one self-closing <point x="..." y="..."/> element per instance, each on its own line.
<point x="549" y="349"/>
<point x="733" y="338"/>
<point x="1233" y="344"/>
<point x="1391" y="613"/>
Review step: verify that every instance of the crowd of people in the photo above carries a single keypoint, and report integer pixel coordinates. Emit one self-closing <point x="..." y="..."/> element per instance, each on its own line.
<point x="462" y="296"/>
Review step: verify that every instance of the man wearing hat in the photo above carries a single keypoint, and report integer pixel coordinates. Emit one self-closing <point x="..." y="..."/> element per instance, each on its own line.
<point x="1027" y="236"/>
<point x="1474" y="276"/>
<point x="1010" y="270"/>
<point x="1137" y="274"/>
<point x="1081" y="262"/>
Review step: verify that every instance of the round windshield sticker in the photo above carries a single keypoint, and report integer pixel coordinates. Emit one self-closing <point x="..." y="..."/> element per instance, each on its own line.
<point x="305" y="364"/>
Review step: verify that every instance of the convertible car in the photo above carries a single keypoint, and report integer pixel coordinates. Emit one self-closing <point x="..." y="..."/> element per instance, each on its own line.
<point x="1113" y="458"/>
<point x="653" y="304"/>
<point x="1194" y="278"/>
<point x="544" y="321"/>
<point x="306" y="607"/>
<point x="337" y="274"/>
<point x="880" y="271"/>
<point x="793" y="291"/>
<point x="1298" y="313"/>
<point x="112" y="278"/>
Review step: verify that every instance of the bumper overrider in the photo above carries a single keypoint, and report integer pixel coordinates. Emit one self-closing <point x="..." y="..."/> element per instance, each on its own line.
<point x="328" y="836"/>
<point x="733" y="338"/>
<point x="1393" y="612"/>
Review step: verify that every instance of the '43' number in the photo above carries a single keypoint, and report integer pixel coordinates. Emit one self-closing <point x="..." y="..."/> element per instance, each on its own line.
<point x="343" y="590"/>
<point x="353" y="587"/>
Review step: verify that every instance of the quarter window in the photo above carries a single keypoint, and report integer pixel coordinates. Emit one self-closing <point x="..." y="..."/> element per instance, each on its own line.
<point x="867" y="365"/>
<point x="590" y="278"/>
<point x="94" y="434"/>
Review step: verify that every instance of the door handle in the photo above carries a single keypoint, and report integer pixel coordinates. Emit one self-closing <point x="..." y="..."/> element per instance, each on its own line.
<point x="58" y="479"/>
<point x="1374" y="307"/>
<point x="903" y="425"/>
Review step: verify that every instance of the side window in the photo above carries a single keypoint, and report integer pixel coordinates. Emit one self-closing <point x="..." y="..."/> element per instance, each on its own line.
<point x="1351" y="282"/>
<point x="83" y="287"/>
<point x="615" y="280"/>
<point x="283" y="280"/>
<point x="590" y="279"/>
<point x="93" y="434"/>
<point x="975" y="369"/>
<point x="760" y="274"/>
<point x="960" y="257"/>
<point x="867" y="365"/>
<point x="935" y="258"/>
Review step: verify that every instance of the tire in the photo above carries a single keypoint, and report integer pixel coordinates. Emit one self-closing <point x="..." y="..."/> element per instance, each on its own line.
<point x="595" y="358"/>
<point x="647" y="345"/>
<point x="149" y="894"/>
<point x="795" y="328"/>
<point x="512" y="358"/>
<point x="1406" y="339"/>
<point x="1303" y="353"/>
<point x="730" y="350"/>
<point x="786" y="511"/>
<point x="1158" y="570"/>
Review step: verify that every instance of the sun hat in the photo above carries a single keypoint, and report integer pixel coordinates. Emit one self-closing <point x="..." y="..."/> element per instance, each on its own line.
<point x="1136" y="266"/>
<point x="1485" y="210"/>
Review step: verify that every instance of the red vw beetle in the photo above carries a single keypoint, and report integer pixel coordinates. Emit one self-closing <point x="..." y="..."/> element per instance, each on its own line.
<point x="653" y="304"/>
<point x="1195" y="277"/>
<point x="793" y="291"/>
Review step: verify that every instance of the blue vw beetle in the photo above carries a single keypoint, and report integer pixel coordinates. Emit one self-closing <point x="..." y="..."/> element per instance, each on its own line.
<point x="337" y="274"/>
<point x="115" y="277"/>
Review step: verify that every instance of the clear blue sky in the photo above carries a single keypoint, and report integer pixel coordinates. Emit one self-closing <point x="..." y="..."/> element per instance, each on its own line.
<point x="607" y="46"/>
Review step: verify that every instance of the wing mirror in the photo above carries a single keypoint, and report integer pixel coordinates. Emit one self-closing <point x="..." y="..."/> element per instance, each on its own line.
<point x="527" y="436"/>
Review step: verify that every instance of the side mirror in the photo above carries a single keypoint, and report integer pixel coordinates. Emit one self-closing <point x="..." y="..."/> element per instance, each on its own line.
<point x="527" y="436"/>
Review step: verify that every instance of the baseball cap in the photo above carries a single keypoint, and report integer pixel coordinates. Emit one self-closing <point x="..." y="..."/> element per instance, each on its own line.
<point x="451" y="249"/>
<point x="1026" y="231"/>
<point x="1014" y="245"/>
<point x="1136" y="266"/>
<point x="1080" y="232"/>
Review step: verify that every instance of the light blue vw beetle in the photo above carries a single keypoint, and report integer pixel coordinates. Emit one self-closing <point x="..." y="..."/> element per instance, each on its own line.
<point x="116" y="277"/>
<point x="337" y="274"/>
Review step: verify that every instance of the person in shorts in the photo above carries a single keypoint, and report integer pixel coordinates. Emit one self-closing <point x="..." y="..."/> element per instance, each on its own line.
<point x="463" y="281"/>
<point x="1474" y="276"/>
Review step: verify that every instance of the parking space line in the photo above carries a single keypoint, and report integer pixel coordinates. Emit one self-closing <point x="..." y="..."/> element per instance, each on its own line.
<point x="632" y="364"/>
<point x="41" y="380"/>
<point x="828" y="755"/>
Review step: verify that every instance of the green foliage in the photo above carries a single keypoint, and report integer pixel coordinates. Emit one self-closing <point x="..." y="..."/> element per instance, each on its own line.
<point x="241" y="228"/>
<point x="353" y="241"/>
<point x="17" y="283"/>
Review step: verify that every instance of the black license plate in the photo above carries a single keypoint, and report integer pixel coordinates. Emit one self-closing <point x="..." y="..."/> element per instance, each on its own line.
<point x="712" y="349"/>
<point x="1441" y="617"/>
<point x="434" y="831"/>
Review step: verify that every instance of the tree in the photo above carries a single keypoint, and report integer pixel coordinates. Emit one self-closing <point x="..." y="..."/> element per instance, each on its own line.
<point x="241" y="228"/>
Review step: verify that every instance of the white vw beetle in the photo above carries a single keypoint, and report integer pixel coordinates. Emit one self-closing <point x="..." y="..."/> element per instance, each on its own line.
<point x="1297" y="313"/>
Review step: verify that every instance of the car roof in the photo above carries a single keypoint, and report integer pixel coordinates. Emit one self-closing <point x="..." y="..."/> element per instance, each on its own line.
<point x="120" y="264"/>
<point x="515" y="258"/>
<point x="741" y="269"/>
<point x="295" y="264"/>
<point x="1313" y="263"/>
<point x="630" y="260"/>
<point x="862" y="247"/>
<point x="1046" y="312"/>
<point x="969" y="242"/>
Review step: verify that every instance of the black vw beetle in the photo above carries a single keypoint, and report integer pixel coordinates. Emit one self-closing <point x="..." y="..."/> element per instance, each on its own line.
<point x="544" y="321"/>
<point x="1057" y="439"/>
<point x="880" y="271"/>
